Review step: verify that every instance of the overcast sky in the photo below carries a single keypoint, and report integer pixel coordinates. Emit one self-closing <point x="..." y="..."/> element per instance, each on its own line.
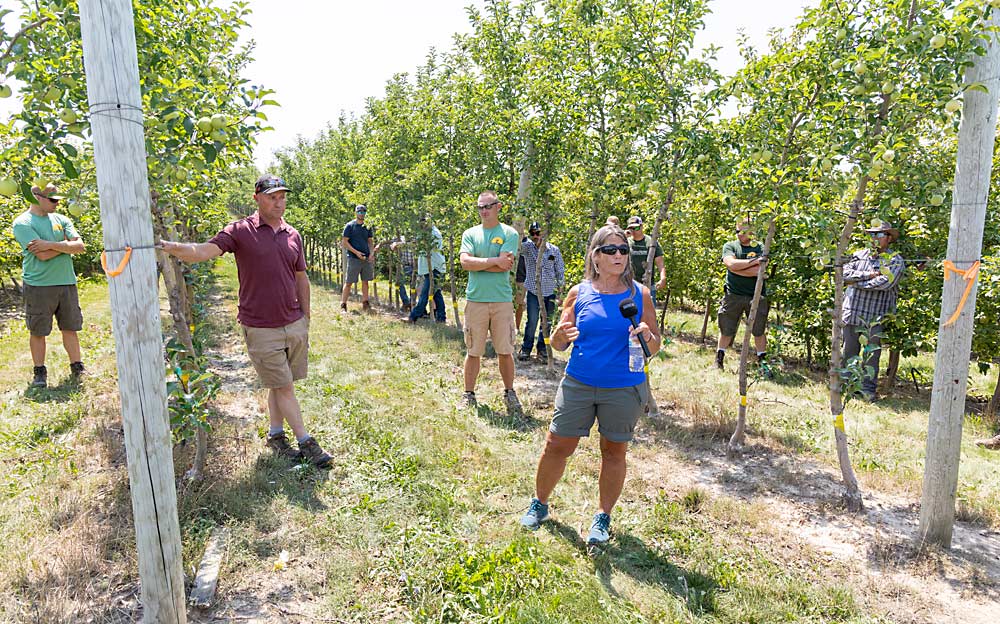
<point x="326" y="56"/>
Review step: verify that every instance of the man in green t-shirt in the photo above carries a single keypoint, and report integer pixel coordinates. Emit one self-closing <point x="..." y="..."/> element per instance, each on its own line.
<point x="742" y="259"/>
<point x="48" y="240"/>
<point x="639" y="250"/>
<point x="487" y="253"/>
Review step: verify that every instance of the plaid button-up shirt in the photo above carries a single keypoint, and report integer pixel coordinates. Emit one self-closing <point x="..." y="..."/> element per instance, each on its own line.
<point x="553" y="269"/>
<point x="868" y="299"/>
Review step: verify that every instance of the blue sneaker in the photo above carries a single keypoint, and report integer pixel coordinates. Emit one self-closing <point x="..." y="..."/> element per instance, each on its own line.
<point x="600" y="529"/>
<point x="537" y="513"/>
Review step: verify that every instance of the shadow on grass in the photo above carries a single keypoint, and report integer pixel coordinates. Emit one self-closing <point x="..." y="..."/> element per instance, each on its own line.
<point x="67" y="390"/>
<point x="503" y="420"/>
<point x="629" y="555"/>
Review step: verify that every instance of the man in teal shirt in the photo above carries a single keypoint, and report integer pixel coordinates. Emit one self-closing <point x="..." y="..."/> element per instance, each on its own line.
<point x="487" y="253"/>
<point x="47" y="241"/>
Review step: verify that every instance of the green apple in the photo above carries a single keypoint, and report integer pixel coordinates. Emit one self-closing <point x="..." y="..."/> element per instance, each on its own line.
<point x="995" y="4"/>
<point x="68" y="116"/>
<point x="40" y="181"/>
<point x="889" y="155"/>
<point x="860" y="68"/>
<point x="180" y="174"/>
<point x="875" y="169"/>
<point x="754" y="155"/>
<point x="76" y="208"/>
<point x="701" y="158"/>
<point x="218" y="135"/>
<point x="841" y="33"/>
<point x="8" y="187"/>
<point x="219" y="121"/>
<point x="937" y="199"/>
<point x="895" y="202"/>
<point x="5" y="91"/>
<point x="836" y="64"/>
<point x="827" y="165"/>
<point x="765" y="156"/>
<point x="52" y="94"/>
<point x="888" y="86"/>
<point x="204" y="125"/>
<point x="938" y="41"/>
<point x="953" y="106"/>
<point x="859" y="90"/>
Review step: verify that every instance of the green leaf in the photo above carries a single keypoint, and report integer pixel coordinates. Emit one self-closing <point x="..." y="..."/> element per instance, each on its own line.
<point x="69" y="149"/>
<point x="68" y="168"/>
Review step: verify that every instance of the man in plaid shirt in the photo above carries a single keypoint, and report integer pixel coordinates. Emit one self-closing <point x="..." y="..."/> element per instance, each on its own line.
<point x="553" y="274"/>
<point x="873" y="277"/>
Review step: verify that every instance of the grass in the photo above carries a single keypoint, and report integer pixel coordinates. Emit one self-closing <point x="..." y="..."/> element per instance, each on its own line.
<point x="417" y="520"/>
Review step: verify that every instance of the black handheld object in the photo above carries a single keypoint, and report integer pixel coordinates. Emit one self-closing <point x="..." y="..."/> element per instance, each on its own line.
<point x="629" y="310"/>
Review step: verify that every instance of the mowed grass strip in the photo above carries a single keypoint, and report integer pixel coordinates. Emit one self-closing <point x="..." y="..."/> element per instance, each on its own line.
<point x="418" y="520"/>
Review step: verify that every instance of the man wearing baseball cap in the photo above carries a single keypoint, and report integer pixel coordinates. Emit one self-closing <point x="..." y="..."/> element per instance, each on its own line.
<point x="639" y="245"/>
<point x="358" y="242"/>
<point x="872" y="276"/>
<point x="273" y="308"/>
<point x="48" y="242"/>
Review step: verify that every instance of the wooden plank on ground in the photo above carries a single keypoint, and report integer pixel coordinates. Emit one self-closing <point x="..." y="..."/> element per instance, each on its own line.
<point x="208" y="572"/>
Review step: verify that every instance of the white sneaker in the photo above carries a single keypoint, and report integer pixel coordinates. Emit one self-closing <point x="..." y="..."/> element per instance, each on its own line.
<point x="600" y="529"/>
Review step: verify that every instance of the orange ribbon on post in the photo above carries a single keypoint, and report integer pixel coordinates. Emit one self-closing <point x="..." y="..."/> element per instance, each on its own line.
<point x="969" y="275"/>
<point x="121" y="266"/>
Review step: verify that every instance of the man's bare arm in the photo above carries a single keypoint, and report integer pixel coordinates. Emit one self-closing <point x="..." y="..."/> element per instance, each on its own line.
<point x="191" y="252"/>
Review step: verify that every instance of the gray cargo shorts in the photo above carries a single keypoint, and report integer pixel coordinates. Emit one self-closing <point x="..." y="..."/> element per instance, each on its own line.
<point x="616" y="410"/>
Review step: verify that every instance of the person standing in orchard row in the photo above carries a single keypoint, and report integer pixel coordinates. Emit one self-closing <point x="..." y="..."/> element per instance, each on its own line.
<point x="605" y="379"/>
<point x="358" y="242"/>
<point x="487" y="253"/>
<point x="432" y="240"/>
<point x="639" y="249"/>
<point x="872" y="276"/>
<point x="273" y="308"/>
<point x="48" y="241"/>
<point x="742" y="258"/>
<point x="553" y="274"/>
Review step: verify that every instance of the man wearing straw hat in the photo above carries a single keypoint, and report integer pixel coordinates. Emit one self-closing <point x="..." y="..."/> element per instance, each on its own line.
<point x="48" y="240"/>
<point x="872" y="276"/>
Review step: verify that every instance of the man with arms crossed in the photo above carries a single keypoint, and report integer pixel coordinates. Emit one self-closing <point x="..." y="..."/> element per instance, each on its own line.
<point x="48" y="240"/>
<point x="273" y="310"/>
<point x="358" y="242"/>
<point x="487" y="253"/>
<point x="742" y="259"/>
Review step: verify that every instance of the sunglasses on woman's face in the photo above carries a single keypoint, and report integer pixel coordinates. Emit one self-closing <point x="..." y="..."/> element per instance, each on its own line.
<point x="609" y="250"/>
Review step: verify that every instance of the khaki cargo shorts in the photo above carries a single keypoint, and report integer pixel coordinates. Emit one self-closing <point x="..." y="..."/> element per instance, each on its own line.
<point x="41" y="303"/>
<point x="495" y="318"/>
<point x="279" y="354"/>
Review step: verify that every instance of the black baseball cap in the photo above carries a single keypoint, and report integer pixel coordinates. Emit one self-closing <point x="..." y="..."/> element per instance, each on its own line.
<point x="268" y="184"/>
<point x="534" y="228"/>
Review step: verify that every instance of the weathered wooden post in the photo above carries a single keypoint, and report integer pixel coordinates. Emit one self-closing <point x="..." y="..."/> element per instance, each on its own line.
<point x="112" y="71"/>
<point x="965" y="240"/>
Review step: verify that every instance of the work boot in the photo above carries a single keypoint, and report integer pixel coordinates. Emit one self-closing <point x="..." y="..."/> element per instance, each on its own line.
<point x="279" y="444"/>
<point x="510" y="399"/>
<point x="366" y="306"/>
<point x="523" y="356"/>
<point x="41" y="377"/>
<point x="992" y="444"/>
<point x="343" y="306"/>
<point x="543" y="357"/>
<point x="468" y="401"/>
<point x="312" y="451"/>
<point x="719" y="356"/>
<point x="76" y="370"/>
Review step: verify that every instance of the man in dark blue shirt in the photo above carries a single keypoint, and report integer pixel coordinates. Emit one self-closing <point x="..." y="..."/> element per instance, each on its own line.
<point x="358" y="242"/>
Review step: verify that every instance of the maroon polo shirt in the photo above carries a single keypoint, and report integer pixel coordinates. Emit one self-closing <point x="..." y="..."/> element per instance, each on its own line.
<point x="266" y="261"/>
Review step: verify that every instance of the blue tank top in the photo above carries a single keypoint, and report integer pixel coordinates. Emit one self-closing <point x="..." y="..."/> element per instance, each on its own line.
<point x="600" y="353"/>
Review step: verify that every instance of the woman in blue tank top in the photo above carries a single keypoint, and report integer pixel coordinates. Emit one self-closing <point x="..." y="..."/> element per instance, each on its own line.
<point x="599" y="384"/>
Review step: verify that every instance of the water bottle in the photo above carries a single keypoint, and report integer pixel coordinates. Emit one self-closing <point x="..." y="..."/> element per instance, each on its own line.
<point x="635" y="355"/>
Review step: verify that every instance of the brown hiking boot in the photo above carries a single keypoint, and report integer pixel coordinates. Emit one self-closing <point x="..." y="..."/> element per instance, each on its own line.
<point x="312" y="451"/>
<point x="77" y="371"/>
<point x="514" y="409"/>
<point x="279" y="444"/>
<point x="343" y="307"/>
<point x="468" y="401"/>
<point x="992" y="444"/>
<point x="366" y="306"/>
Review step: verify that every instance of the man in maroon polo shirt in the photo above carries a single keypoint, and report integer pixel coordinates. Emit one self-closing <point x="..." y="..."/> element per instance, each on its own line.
<point x="273" y="309"/>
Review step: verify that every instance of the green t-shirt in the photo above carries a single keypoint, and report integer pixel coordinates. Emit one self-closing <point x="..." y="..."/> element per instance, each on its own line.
<point x="639" y="253"/>
<point x="740" y="284"/>
<point x="57" y="271"/>
<point x="487" y="286"/>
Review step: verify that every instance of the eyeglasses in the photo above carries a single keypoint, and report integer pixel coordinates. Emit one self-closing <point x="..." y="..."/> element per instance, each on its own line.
<point x="534" y="234"/>
<point x="609" y="250"/>
<point x="486" y="206"/>
<point x="54" y="200"/>
<point x="268" y="184"/>
<point x="879" y="234"/>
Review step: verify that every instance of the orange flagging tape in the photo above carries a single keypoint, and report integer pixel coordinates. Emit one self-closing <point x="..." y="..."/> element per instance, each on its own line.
<point x="969" y="275"/>
<point x="121" y="266"/>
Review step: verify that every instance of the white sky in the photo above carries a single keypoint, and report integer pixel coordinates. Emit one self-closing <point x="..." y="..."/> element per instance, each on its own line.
<point x="326" y="56"/>
<point x="323" y="57"/>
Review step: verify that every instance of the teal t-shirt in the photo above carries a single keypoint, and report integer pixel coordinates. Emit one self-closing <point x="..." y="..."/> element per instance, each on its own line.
<point x="57" y="271"/>
<point x="487" y="286"/>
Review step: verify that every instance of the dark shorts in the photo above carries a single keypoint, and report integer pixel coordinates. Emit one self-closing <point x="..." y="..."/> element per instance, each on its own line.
<point x="41" y="303"/>
<point x="357" y="267"/>
<point x="734" y="307"/>
<point x="616" y="410"/>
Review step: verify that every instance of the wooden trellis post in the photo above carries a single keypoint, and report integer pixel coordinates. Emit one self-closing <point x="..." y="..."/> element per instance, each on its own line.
<point x="116" y="121"/>
<point x="965" y="240"/>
